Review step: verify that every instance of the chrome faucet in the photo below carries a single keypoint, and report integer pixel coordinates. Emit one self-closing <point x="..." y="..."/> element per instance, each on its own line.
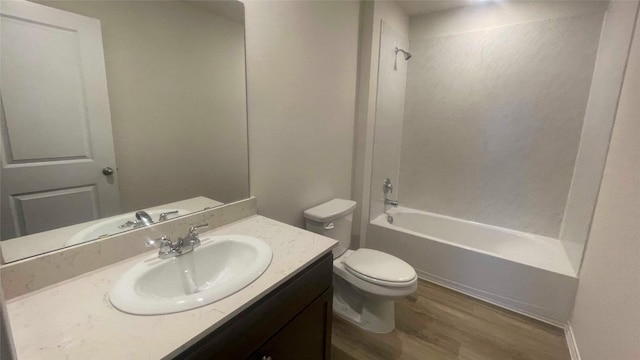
<point x="169" y="249"/>
<point x="144" y="219"/>
<point x="387" y="188"/>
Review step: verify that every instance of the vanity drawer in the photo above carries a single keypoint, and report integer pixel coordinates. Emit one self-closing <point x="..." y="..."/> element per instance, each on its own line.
<point x="249" y="331"/>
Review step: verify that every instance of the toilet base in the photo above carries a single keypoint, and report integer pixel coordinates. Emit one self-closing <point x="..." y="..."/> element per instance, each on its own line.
<point x="375" y="314"/>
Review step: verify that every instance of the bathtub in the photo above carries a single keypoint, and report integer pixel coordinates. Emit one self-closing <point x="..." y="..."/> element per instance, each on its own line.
<point x="526" y="273"/>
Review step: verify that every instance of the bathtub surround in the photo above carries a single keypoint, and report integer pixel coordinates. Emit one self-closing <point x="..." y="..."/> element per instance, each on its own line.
<point x="25" y="276"/>
<point x="606" y="319"/>
<point x="494" y="112"/>
<point x="596" y="132"/>
<point x="484" y="163"/>
<point x="372" y="15"/>
<point x="392" y="78"/>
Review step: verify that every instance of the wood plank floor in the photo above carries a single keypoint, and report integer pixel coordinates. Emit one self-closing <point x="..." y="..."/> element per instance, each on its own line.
<point x="436" y="323"/>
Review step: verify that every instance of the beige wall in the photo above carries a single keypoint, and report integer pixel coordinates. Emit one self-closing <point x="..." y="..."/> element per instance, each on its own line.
<point x="495" y="100"/>
<point x="606" y="317"/>
<point x="301" y="66"/>
<point x="176" y="79"/>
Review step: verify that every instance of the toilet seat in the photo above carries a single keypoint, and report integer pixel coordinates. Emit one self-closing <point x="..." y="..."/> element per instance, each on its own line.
<point x="379" y="268"/>
<point x="368" y="287"/>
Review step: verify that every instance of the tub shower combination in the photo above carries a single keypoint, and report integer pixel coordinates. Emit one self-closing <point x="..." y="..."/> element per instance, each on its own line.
<point x="480" y="126"/>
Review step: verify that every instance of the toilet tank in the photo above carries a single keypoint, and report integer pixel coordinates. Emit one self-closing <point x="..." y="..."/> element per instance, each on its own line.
<point x="332" y="219"/>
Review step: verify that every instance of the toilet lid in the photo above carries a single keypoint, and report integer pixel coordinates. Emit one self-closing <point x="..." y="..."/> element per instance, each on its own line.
<point x="373" y="264"/>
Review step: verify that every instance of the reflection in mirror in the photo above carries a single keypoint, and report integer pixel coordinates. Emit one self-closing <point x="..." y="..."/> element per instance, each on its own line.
<point x="116" y="107"/>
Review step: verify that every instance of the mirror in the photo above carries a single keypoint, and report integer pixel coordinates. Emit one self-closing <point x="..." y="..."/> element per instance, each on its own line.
<point x="115" y="107"/>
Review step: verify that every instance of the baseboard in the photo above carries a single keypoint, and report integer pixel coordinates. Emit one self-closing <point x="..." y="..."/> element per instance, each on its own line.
<point x="486" y="297"/>
<point x="571" y="342"/>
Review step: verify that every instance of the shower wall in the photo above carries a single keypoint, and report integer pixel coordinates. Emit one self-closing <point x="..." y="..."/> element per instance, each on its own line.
<point x="392" y="77"/>
<point x="494" y="107"/>
<point x="372" y="14"/>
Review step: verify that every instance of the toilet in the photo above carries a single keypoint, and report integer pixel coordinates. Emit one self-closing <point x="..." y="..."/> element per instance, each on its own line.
<point x="365" y="281"/>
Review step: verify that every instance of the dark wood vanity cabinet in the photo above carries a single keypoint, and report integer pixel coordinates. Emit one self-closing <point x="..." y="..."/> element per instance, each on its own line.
<point x="293" y="322"/>
<point x="307" y="336"/>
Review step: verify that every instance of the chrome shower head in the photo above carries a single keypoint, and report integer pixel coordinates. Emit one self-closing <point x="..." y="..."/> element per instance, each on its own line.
<point x="407" y="55"/>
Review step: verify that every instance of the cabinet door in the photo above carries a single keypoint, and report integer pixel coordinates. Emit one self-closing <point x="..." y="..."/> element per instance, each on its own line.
<point x="306" y="337"/>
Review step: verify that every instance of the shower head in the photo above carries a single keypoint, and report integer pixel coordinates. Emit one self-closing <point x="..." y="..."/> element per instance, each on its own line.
<point x="407" y="55"/>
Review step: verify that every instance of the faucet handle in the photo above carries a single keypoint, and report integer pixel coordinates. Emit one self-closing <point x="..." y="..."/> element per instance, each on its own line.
<point x="194" y="229"/>
<point x="127" y="224"/>
<point x="387" y="187"/>
<point x="165" y="215"/>
<point x="159" y="242"/>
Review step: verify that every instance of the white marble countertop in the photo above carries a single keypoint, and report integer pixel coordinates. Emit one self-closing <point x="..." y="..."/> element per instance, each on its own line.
<point x="75" y="320"/>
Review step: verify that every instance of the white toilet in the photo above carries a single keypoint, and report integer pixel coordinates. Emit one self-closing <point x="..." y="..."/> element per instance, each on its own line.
<point x="365" y="281"/>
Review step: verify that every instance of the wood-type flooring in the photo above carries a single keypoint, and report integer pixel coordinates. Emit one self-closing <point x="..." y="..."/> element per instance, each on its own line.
<point x="436" y="323"/>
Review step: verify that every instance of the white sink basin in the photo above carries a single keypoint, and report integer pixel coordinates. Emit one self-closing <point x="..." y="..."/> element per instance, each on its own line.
<point x="109" y="226"/>
<point x="221" y="266"/>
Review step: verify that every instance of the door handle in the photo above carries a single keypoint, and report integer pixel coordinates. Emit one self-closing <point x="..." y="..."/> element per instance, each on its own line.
<point x="107" y="171"/>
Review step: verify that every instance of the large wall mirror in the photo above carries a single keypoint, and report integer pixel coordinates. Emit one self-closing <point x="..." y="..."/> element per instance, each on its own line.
<point x="117" y="114"/>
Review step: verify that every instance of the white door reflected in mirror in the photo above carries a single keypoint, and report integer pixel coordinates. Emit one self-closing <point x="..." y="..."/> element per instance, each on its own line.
<point x="56" y="121"/>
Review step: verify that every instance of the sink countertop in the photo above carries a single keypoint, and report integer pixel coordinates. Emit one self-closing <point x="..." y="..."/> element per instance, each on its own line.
<point x="75" y="319"/>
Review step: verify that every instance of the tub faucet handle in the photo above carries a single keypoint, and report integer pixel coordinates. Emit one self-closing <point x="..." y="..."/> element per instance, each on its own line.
<point x="387" y="187"/>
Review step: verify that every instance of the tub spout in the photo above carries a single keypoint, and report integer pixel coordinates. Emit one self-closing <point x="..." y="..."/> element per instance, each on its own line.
<point x="390" y="202"/>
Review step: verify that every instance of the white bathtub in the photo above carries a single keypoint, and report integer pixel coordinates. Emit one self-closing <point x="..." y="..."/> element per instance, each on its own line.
<point x="527" y="273"/>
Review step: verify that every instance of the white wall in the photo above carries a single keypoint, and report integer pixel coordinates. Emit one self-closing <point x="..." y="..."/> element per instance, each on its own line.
<point x="606" y="317"/>
<point x="176" y="79"/>
<point x="495" y="101"/>
<point x="372" y="15"/>
<point x="301" y="67"/>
